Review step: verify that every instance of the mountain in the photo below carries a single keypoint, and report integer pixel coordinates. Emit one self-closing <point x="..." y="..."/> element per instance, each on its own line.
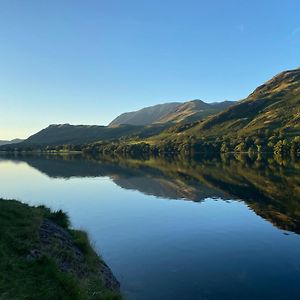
<point x="145" y="116"/>
<point x="275" y="105"/>
<point x="145" y="123"/>
<point x="267" y="121"/>
<point x="14" y="141"/>
<point x="270" y="111"/>
<point x="74" y="134"/>
<point x="171" y="112"/>
<point x="194" y="110"/>
<point x="80" y="134"/>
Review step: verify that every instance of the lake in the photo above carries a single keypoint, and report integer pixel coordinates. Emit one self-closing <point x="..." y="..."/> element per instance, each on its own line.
<point x="175" y="228"/>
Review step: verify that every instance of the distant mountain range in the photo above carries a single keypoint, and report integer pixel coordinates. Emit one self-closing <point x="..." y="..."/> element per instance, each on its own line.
<point x="273" y="106"/>
<point x="171" y="112"/>
<point x="14" y="141"/>
<point x="144" y="123"/>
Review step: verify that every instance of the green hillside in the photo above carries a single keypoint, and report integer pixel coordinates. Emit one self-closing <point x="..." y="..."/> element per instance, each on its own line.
<point x="145" y="116"/>
<point x="43" y="258"/>
<point x="268" y="120"/>
<point x="274" y="105"/>
<point x="173" y="112"/>
<point x="81" y="134"/>
<point x="194" y="111"/>
<point x="159" y="117"/>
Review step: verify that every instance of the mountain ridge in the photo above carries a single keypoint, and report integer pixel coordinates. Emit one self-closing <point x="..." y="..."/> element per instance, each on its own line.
<point x="195" y="110"/>
<point x="66" y="134"/>
<point x="270" y="114"/>
<point x="10" y="142"/>
<point x="274" y="105"/>
<point x="170" y="112"/>
<point x="144" y="116"/>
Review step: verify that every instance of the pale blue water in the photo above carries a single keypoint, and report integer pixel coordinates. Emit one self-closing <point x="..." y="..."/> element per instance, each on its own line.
<point x="160" y="248"/>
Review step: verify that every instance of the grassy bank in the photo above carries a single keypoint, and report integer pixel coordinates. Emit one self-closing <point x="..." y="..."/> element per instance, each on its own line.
<point x="42" y="258"/>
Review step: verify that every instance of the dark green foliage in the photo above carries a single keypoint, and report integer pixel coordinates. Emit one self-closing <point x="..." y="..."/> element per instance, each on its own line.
<point x="60" y="218"/>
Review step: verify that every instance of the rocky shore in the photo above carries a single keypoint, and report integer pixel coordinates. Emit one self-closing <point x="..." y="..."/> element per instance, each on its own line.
<point x="42" y="258"/>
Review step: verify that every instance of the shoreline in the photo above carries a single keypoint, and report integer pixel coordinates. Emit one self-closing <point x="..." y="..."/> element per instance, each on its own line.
<point x="43" y="258"/>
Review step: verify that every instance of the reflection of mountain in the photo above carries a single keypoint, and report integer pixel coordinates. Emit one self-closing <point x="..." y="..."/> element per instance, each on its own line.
<point x="146" y="179"/>
<point x="168" y="188"/>
<point x="271" y="190"/>
<point x="14" y="141"/>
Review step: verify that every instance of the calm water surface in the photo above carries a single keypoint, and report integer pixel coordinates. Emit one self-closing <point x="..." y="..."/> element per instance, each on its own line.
<point x="175" y="229"/>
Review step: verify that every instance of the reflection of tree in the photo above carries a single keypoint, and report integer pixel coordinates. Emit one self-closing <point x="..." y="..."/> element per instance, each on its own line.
<point x="269" y="186"/>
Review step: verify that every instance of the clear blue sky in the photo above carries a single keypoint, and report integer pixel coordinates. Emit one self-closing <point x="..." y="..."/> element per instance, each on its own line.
<point x="85" y="62"/>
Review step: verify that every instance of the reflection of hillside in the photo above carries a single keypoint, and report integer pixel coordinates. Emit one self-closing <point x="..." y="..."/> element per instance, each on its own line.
<point x="168" y="188"/>
<point x="58" y="166"/>
<point x="146" y="179"/>
<point x="272" y="191"/>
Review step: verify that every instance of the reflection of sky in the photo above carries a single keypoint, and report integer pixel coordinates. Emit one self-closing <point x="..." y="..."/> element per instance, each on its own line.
<point x="161" y="249"/>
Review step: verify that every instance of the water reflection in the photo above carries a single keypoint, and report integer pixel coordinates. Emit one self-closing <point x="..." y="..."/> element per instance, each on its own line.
<point x="270" y="188"/>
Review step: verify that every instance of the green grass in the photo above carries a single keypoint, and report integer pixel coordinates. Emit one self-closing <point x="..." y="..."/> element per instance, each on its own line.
<point x="23" y="276"/>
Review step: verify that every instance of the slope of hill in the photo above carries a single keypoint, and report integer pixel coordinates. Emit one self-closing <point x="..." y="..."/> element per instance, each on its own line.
<point x="268" y="120"/>
<point x="160" y="116"/>
<point x="145" y="116"/>
<point x="274" y="106"/>
<point x="171" y="112"/>
<point x="14" y="141"/>
<point x="266" y="117"/>
<point x="81" y="134"/>
<point x="194" y="110"/>
<point x="37" y="244"/>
